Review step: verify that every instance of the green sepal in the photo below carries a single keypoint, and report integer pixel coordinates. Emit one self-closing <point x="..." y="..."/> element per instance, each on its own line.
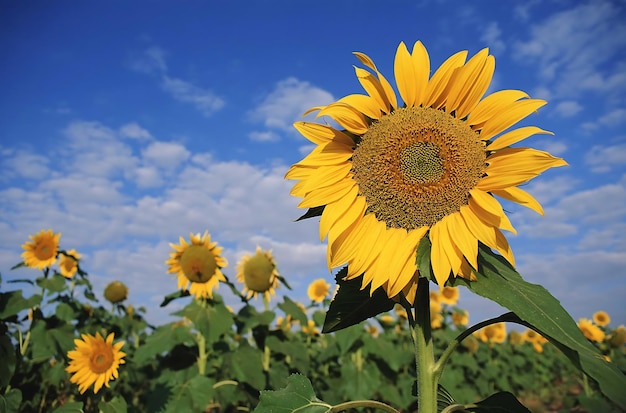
<point x="422" y="259"/>
<point x="352" y="304"/>
<point x="312" y="212"/>
<point x="171" y="297"/>
<point x="498" y="281"/>
<point x="297" y="396"/>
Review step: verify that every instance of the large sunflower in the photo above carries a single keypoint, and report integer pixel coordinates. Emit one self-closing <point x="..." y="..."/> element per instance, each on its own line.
<point x="258" y="274"/>
<point x="94" y="361"/>
<point x="430" y="167"/>
<point x="41" y="251"/>
<point x="198" y="262"/>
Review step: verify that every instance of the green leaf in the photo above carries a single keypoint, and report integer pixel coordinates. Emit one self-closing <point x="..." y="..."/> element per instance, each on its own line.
<point x="352" y="304"/>
<point x="502" y="402"/>
<point x="246" y="365"/>
<point x="292" y="309"/>
<point x="162" y="340"/>
<point x="191" y="396"/>
<point x="297" y="396"/>
<point x="54" y="284"/>
<point x="10" y="402"/>
<point x="116" y="405"/>
<point x="211" y="321"/>
<point x="72" y="407"/>
<point x="12" y="302"/>
<point x="538" y="309"/>
<point x="7" y="360"/>
<point x="312" y="212"/>
<point x="65" y="312"/>
<point x="171" y="297"/>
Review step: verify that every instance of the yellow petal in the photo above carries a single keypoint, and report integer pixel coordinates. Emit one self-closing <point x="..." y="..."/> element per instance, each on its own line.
<point x="323" y="196"/>
<point x="509" y="116"/>
<point x="352" y="214"/>
<point x="464" y="240"/>
<point x="322" y="134"/>
<point x="454" y="254"/>
<point x="521" y="197"/>
<point x="365" y="258"/>
<point x="391" y="95"/>
<point x="332" y="153"/>
<point x="335" y="210"/>
<point x="436" y="90"/>
<point x="348" y="117"/>
<point x="406" y="78"/>
<point x="489" y="209"/>
<point x="405" y="259"/>
<point x="482" y="232"/>
<point x="386" y="265"/>
<point x="421" y="63"/>
<point x="324" y="176"/>
<point x="438" y="257"/>
<point x="492" y="104"/>
<point x="470" y="84"/>
<point x="373" y="88"/>
<point x="358" y="240"/>
<point x="364" y="104"/>
<point x="515" y="136"/>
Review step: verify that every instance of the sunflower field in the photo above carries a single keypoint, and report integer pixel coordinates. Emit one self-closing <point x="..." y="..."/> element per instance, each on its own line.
<point x="213" y="358"/>
<point x="404" y="186"/>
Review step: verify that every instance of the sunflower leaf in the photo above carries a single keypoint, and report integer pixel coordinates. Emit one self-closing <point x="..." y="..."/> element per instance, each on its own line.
<point x="171" y="297"/>
<point x="502" y="402"/>
<point x="312" y="212"/>
<point x="297" y="396"/>
<point x="539" y="310"/>
<point x="352" y="304"/>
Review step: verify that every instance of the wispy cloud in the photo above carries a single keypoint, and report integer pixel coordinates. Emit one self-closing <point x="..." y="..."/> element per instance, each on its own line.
<point x="603" y="158"/>
<point x="286" y="103"/>
<point x="152" y="61"/>
<point x="492" y="36"/>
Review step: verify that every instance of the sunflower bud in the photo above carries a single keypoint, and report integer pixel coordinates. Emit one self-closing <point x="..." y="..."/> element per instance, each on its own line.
<point x="116" y="292"/>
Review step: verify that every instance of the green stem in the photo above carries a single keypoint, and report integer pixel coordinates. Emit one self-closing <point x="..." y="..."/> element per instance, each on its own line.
<point x="362" y="403"/>
<point x="424" y="351"/>
<point x="202" y="354"/>
<point x="441" y="363"/>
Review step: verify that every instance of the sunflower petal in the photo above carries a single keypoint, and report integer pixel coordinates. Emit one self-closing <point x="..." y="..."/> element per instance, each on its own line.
<point x="391" y="95"/>
<point x="364" y="104"/>
<point x="469" y="83"/>
<point x="323" y="196"/>
<point x="521" y="197"/>
<point x="509" y="116"/>
<point x="331" y="153"/>
<point x="515" y="136"/>
<point x="322" y="134"/>
<point x="406" y="78"/>
<point x="492" y="104"/>
<point x="438" y="256"/>
<point x="347" y="116"/>
<point x="435" y="96"/>
<point x="489" y="210"/>
<point x="464" y="239"/>
<point x="373" y="88"/>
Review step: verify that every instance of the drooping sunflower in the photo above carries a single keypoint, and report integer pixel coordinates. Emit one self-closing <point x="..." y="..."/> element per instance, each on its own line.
<point x="68" y="263"/>
<point x="116" y="292"/>
<point x="198" y="262"/>
<point x="94" y="361"/>
<point x="318" y="290"/>
<point x="429" y="167"/>
<point x="41" y="251"/>
<point x="258" y="274"/>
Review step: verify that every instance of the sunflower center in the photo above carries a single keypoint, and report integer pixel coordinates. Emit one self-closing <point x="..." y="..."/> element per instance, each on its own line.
<point x="44" y="251"/>
<point x="417" y="165"/>
<point x="101" y="360"/>
<point x="198" y="264"/>
<point x="257" y="273"/>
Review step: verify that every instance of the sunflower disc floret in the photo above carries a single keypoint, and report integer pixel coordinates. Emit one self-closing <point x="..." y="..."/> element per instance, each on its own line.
<point x="431" y="167"/>
<point x="258" y="274"/>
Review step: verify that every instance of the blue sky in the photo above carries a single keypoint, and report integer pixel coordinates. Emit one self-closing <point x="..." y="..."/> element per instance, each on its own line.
<point x="124" y="125"/>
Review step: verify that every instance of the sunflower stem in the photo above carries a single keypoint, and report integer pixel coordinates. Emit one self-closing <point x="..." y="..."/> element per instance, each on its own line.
<point x="202" y="354"/>
<point x="424" y="351"/>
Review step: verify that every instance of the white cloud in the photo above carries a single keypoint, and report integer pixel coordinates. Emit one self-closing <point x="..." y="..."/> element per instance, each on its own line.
<point x="572" y="47"/>
<point x="611" y="119"/>
<point x="556" y="148"/>
<point x="492" y="36"/>
<point x="267" y="136"/>
<point x="288" y="102"/>
<point x="23" y="164"/>
<point x="165" y="154"/>
<point x="603" y="158"/>
<point x="568" y="108"/>
<point x="134" y="131"/>
<point x="204" y="100"/>
<point x="152" y="61"/>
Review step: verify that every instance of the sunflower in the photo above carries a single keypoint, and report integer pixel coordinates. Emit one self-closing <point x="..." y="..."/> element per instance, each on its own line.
<point x="41" y="251"/>
<point x="258" y="274"/>
<point x="460" y="318"/>
<point x="116" y="292"/>
<point x="601" y="318"/>
<point x="493" y="333"/>
<point x="198" y="262"/>
<point x="429" y="167"/>
<point x="318" y="290"/>
<point x="591" y="331"/>
<point x="68" y="263"/>
<point x="449" y="295"/>
<point x="94" y="361"/>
